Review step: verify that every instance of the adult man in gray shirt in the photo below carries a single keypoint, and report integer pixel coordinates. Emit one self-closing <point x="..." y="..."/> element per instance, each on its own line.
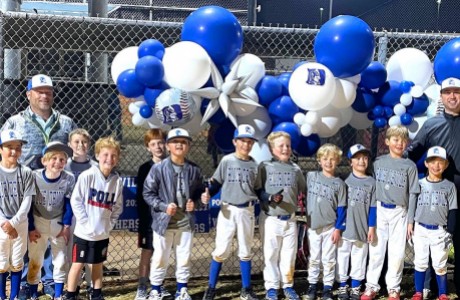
<point x="39" y="124"/>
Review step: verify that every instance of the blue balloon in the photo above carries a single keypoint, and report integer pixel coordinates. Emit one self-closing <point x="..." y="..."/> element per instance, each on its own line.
<point x="447" y="61"/>
<point x="128" y="85"/>
<point x="149" y="71"/>
<point x="389" y="93"/>
<point x="405" y="86"/>
<point x="370" y="116"/>
<point x="378" y="111"/>
<point x="217" y="118"/>
<point x="268" y="89"/>
<point x="151" y="95"/>
<point x="282" y="109"/>
<point x="151" y="47"/>
<point x="388" y="111"/>
<point x="364" y="101"/>
<point x="418" y="106"/>
<point x="146" y="111"/>
<point x="216" y="30"/>
<point x="345" y="44"/>
<point x="380" y="122"/>
<point x="223" y="137"/>
<point x="284" y="79"/>
<point x="308" y="145"/>
<point x="374" y="76"/>
<point x="406" y="119"/>
<point x="292" y="129"/>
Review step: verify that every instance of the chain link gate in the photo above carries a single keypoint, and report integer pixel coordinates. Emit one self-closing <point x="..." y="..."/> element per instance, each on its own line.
<point x="77" y="52"/>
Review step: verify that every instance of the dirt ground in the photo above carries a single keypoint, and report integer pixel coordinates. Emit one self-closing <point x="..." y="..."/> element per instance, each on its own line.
<point x="229" y="288"/>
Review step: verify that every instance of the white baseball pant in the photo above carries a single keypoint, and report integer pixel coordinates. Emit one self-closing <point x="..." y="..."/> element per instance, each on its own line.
<point x="358" y="251"/>
<point x="432" y="241"/>
<point x="280" y="250"/>
<point x="182" y="241"/>
<point x="48" y="229"/>
<point x="391" y="230"/>
<point x="12" y="251"/>
<point x="233" y="219"/>
<point x="322" y="251"/>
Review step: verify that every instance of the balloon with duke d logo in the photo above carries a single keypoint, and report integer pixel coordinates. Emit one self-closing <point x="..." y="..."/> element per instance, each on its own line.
<point x="175" y="107"/>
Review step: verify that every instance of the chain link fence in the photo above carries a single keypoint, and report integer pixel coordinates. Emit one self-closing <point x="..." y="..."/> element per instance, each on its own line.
<point x="77" y="53"/>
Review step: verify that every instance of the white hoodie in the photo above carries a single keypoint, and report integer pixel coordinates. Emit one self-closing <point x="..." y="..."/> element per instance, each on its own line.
<point x="97" y="202"/>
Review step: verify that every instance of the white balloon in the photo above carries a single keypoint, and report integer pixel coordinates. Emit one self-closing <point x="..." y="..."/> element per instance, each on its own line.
<point x="399" y="109"/>
<point x="312" y="117"/>
<point x="410" y="64"/>
<point x="299" y="118"/>
<point x="242" y="110"/>
<point x="360" y="121"/>
<point x="175" y="107"/>
<point x="187" y="66"/>
<point x="406" y="99"/>
<point x="260" y="151"/>
<point x="250" y="66"/>
<point x="260" y="120"/>
<point x="345" y="93"/>
<point x="394" y="121"/>
<point x="124" y="60"/>
<point x="355" y="79"/>
<point x="134" y="107"/>
<point x="433" y="92"/>
<point x="154" y="122"/>
<point x="416" y="91"/>
<point x="194" y="125"/>
<point x="312" y="86"/>
<point x="306" y="129"/>
<point x="432" y="109"/>
<point x="415" y="126"/>
<point x="330" y="123"/>
<point x="346" y="115"/>
<point x="138" y="120"/>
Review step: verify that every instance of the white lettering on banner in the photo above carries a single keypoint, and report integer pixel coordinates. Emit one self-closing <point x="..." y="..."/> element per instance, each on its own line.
<point x="129" y="182"/>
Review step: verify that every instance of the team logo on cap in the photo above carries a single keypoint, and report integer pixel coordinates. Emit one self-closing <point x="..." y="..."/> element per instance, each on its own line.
<point x="248" y="130"/>
<point x="42" y="79"/>
<point x="316" y="76"/>
<point x="436" y="150"/>
<point x="12" y="135"/>
<point x="451" y="82"/>
<point x="178" y="132"/>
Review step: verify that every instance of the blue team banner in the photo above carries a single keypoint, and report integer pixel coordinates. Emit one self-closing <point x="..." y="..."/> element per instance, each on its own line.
<point x="205" y="215"/>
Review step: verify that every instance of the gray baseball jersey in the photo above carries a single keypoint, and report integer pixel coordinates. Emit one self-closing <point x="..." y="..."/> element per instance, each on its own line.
<point x="397" y="182"/>
<point x="49" y="201"/>
<point x="15" y="185"/>
<point x="238" y="179"/>
<point x="76" y="167"/>
<point x="324" y="195"/>
<point x="434" y="202"/>
<point x="361" y="196"/>
<point x="274" y="176"/>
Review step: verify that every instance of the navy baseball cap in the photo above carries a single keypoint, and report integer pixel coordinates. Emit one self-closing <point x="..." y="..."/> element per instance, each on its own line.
<point x="244" y="131"/>
<point x="357" y="148"/>
<point x="58" y="146"/>
<point x="38" y="81"/>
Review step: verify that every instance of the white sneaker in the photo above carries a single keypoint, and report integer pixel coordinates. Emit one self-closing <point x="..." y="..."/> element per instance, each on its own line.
<point x="141" y="293"/>
<point x="154" y="295"/>
<point x="182" y="294"/>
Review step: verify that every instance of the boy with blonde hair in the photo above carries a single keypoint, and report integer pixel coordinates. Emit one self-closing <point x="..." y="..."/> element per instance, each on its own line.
<point x="396" y="193"/>
<point x="97" y="202"/>
<point x="50" y="217"/>
<point x="279" y="184"/>
<point x="17" y="189"/>
<point x="326" y="207"/>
